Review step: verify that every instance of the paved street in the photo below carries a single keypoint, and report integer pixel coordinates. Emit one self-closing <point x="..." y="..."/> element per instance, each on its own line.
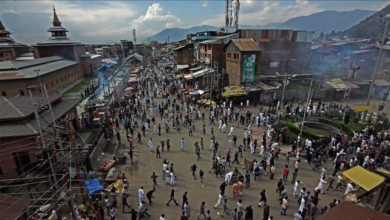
<point x="138" y="173"/>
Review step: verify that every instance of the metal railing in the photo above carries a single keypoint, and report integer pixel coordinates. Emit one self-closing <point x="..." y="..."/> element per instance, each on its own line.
<point x="97" y="150"/>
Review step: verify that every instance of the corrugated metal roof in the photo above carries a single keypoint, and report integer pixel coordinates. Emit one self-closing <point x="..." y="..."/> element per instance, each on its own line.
<point x="59" y="109"/>
<point x="381" y="83"/>
<point x="215" y="39"/>
<point x="25" y="69"/>
<point x="16" y="129"/>
<point x="8" y="110"/>
<point x="247" y="44"/>
<point x="23" y="103"/>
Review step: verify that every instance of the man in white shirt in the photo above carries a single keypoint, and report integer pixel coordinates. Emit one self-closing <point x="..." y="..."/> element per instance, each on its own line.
<point x="141" y="195"/>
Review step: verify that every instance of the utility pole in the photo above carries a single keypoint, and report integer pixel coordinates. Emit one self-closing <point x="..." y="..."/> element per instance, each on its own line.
<point x="348" y="92"/>
<point x="307" y="103"/>
<point x="386" y="18"/>
<point x="44" y="148"/>
<point x="53" y="119"/>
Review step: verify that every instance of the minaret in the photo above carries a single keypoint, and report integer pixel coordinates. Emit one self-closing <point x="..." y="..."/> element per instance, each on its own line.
<point x="57" y="30"/>
<point x="56" y="21"/>
<point x="4" y="34"/>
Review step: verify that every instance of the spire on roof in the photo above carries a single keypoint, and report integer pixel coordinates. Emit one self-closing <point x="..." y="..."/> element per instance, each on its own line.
<point x="2" y="28"/>
<point x="56" y="21"/>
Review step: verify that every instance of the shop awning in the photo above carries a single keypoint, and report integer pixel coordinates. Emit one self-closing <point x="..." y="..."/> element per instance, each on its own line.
<point x="362" y="177"/>
<point x="196" y="68"/>
<point x="180" y="67"/>
<point x="187" y="76"/>
<point x="202" y="72"/>
<point x="233" y="91"/>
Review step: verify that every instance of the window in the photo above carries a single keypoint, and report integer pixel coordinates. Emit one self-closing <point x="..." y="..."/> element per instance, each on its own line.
<point x="1" y="172"/>
<point x="61" y="78"/>
<point x="52" y="84"/>
<point x="57" y="81"/>
<point x="21" y="92"/>
<point x="1" y="55"/>
<point x="4" y="94"/>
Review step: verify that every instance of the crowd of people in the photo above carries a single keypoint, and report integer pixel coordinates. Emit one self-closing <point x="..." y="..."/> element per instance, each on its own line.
<point x="160" y="107"/>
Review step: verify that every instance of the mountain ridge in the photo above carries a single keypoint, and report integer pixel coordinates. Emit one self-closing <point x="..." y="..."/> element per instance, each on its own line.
<point x="329" y="20"/>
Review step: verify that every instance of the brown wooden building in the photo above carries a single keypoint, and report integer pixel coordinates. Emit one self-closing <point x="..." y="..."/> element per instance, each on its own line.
<point x="237" y="53"/>
<point x="184" y="54"/>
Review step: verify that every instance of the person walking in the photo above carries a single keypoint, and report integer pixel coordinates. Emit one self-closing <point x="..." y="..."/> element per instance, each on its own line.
<point x="202" y="210"/>
<point x="201" y="174"/>
<point x="220" y="200"/>
<point x="149" y="195"/>
<point x="197" y="150"/>
<point x="239" y="209"/>
<point x="224" y="208"/>
<point x="182" y="142"/>
<point x="263" y="198"/>
<point x="150" y="144"/>
<point x="330" y="181"/>
<point x="172" y="197"/>
<point x="236" y="154"/>
<point x="124" y="202"/>
<point x="154" y="178"/>
<point x="285" y="173"/>
<point x="284" y="206"/>
<point x="294" y="175"/>
<point x="249" y="213"/>
<point x="248" y="179"/>
<point x="296" y="185"/>
<point x="321" y="185"/>
<point x="193" y="170"/>
<point x="185" y="199"/>
<point x="187" y="210"/>
<point x="158" y="153"/>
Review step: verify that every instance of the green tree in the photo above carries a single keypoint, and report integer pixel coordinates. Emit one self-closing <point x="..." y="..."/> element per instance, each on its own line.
<point x="333" y="33"/>
<point x="322" y="35"/>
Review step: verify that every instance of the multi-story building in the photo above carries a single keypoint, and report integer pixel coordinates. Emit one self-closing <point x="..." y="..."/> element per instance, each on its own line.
<point x="199" y="37"/>
<point x="127" y="47"/>
<point x="59" y="44"/>
<point x="211" y="51"/>
<point x="99" y="51"/>
<point x="242" y="60"/>
<point x="117" y="50"/>
<point x="184" y="55"/>
<point x="284" y="50"/>
<point x="9" y="49"/>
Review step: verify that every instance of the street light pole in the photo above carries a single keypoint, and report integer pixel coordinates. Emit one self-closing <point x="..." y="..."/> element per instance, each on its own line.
<point x="284" y="87"/>
<point x="387" y="17"/>
<point x="307" y="103"/>
<point x="349" y="89"/>
<point x="39" y="79"/>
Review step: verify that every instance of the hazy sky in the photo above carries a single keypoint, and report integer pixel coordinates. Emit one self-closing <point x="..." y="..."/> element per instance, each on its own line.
<point x="109" y="21"/>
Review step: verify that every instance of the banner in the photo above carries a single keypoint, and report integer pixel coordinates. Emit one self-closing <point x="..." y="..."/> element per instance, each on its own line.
<point x="248" y="68"/>
<point x="364" y="108"/>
